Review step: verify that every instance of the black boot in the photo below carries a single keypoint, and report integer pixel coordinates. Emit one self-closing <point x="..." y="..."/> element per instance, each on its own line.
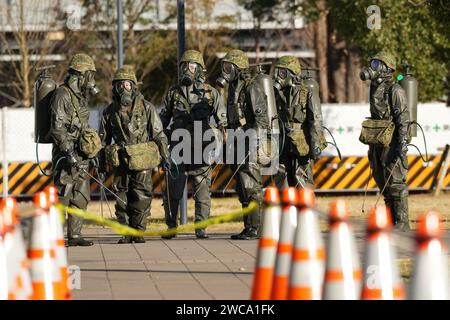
<point x="246" y="234"/>
<point x="79" y="241"/>
<point x="125" y="240"/>
<point x="238" y="236"/>
<point x="400" y="208"/>
<point x="201" y="234"/>
<point x="138" y="239"/>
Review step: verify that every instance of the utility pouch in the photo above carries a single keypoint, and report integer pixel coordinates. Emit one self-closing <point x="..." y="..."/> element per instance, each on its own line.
<point x="377" y="132"/>
<point x="90" y="143"/>
<point x="142" y="156"/>
<point x="112" y="155"/>
<point x="298" y="140"/>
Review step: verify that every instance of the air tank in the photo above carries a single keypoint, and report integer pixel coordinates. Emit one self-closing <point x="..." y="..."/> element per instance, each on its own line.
<point x="43" y="91"/>
<point x="410" y="85"/>
<point x="312" y="84"/>
<point x="266" y="83"/>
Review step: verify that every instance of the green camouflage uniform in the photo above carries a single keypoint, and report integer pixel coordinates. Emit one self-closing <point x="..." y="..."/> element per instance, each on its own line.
<point x="298" y="110"/>
<point x="184" y="105"/>
<point x="138" y="123"/>
<point x="246" y="109"/>
<point x="69" y="116"/>
<point x="388" y="101"/>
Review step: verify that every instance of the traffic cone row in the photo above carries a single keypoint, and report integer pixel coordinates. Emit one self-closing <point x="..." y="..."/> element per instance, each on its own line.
<point x="267" y="246"/>
<point x="382" y="279"/>
<point x="343" y="270"/>
<point x="430" y="276"/>
<point x="19" y="282"/>
<point x="288" y="226"/>
<point x="40" y="272"/>
<point x="308" y="257"/>
<point x="292" y="262"/>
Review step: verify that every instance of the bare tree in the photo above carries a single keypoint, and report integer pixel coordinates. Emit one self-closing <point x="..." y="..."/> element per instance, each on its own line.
<point x="25" y="41"/>
<point x="146" y="44"/>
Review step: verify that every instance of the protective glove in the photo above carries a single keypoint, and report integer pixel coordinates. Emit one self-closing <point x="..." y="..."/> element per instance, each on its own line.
<point x="72" y="159"/>
<point x="166" y="164"/>
<point x="316" y="152"/>
<point x="101" y="175"/>
<point x="402" y="150"/>
<point x="94" y="162"/>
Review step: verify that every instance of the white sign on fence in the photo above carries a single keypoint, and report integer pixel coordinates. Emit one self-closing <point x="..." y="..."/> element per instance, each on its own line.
<point x="343" y="120"/>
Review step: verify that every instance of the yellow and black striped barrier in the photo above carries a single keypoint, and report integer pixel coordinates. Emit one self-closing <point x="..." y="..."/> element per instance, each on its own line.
<point x="330" y="174"/>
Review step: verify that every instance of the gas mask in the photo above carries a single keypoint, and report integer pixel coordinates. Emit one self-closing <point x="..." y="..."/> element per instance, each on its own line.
<point x="125" y="91"/>
<point x="229" y="74"/>
<point x="283" y="78"/>
<point x="377" y="71"/>
<point x="89" y="87"/>
<point x="190" y="71"/>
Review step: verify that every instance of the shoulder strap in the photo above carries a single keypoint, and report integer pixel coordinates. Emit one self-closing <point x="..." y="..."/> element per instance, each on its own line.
<point x="179" y="97"/>
<point x="116" y="117"/>
<point x="388" y="99"/>
<point x="75" y="105"/>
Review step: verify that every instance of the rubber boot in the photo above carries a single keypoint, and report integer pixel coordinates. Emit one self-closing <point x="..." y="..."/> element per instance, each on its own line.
<point x="400" y="212"/>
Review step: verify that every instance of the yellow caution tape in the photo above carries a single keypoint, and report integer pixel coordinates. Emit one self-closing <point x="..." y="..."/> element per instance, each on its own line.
<point x="128" y="231"/>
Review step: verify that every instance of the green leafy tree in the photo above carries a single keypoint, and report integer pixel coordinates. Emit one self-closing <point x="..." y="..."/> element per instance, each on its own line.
<point x="417" y="34"/>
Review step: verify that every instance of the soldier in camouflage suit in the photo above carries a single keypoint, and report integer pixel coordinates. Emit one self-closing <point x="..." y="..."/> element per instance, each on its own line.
<point x="131" y="121"/>
<point x="69" y="119"/>
<point x="300" y="113"/>
<point x="190" y="102"/>
<point x="246" y="109"/>
<point x="390" y="164"/>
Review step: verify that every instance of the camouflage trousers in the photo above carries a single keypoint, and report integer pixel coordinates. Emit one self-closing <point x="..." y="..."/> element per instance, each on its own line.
<point x="200" y="177"/>
<point x="294" y="171"/>
<point x="74" y="191"/>
<point x="135" y="189"/>
<point x="390" y="173"/>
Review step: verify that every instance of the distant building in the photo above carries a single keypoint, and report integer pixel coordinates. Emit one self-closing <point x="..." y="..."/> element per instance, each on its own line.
<point x="286" y="35"/>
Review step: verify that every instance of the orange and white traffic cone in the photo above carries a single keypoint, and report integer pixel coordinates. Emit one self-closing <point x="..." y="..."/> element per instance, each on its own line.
<point x="343" y="269"/>
<point x="41" y="254"/>
<point x="267" y="245"/>
<point x="21" y="288"/>
<point x="57" y="236"/>
<point x="4" y="289"/>
<point x="288" y="225"/>
<point x="308" y="258"/>
<point x="430" y="277"/>
<point x="381" y="275"/>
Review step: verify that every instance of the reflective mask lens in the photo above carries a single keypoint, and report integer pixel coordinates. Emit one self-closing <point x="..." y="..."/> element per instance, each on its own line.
<point x="282" y="73"/>
<point x="189" y="67"/>
<point x="227" y="67"/>
<point x="375" y="64"/>
<point x="192" y="67"/>
<point x="121" y="86"/>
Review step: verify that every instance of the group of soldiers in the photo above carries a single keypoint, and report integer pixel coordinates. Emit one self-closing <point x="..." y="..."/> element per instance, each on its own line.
<point x="133" y="138"/>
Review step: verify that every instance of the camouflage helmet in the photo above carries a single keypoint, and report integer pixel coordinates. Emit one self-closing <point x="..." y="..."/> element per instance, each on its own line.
<point x="238" y="58"/>
<point x="387" y="58"/>
<point x="289" y="62"/>
<point x="193" y="56"/>
<point x="81" y="62"/>
<point x="125" y="73"/>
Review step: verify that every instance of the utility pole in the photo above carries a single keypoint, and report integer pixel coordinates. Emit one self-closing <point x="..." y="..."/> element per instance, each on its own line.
<point x="181" y="49"/>
<point x="119" y="33"/>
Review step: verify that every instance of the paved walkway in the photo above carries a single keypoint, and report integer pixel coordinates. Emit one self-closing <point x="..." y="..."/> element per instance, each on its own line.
<point x="182" y="268"/>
